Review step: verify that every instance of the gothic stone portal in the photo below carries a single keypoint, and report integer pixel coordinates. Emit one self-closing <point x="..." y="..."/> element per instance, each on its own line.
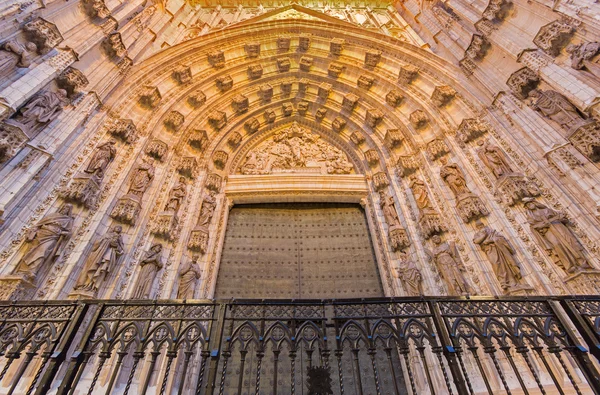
<point x="302" y="250"/>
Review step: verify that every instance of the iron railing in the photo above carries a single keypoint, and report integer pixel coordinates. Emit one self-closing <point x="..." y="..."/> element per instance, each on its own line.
<point x="374" y="346"/>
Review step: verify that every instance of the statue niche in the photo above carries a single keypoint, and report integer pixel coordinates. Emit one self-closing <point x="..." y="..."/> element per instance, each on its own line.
<point x="167" y="219"/>
<point x="198" y="240"/>
<point x="295" y="150"/>
<point x="430" y="221"/>
<point x="129" y="206"/>
<point x="468" y="204"/>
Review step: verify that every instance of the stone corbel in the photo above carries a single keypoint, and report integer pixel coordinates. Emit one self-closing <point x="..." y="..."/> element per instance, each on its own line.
<point x="213" y="182"/>
<point x="71" y="80"/>
<point x="374" y="117"/>
<point x="157" y="149"/>
<point x="418" y="119"/>
<point x="553" y="37"/>
<point x="523" y="81"/>
<point x="43" y="34"/>
<point x="174" y="121"/>
<point x="217" y="119"/>
<point x="113" y="46"/>
<point x="182" y="74"/>
<point x="393" y="138"/>
<point x="188" y="167"/>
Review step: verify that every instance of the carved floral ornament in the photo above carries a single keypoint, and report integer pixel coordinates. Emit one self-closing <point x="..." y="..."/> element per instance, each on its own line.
<point x="295" y="150"/>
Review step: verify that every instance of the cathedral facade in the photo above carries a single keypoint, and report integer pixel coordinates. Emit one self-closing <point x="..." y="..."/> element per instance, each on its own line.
<point x="380" y="198"/>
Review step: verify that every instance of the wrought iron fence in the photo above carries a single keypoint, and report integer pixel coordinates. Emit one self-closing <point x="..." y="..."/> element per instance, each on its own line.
<point x="374" y="346"/>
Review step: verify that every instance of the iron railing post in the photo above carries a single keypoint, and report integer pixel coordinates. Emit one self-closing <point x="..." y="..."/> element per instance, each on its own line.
<point x="584" y="327"/>
<point x="449" y="350"/>
<point x="78" y="355"/>
<point x="577" y="351"/>
<point x="215" y="348"/>
<point x="59" y="354"/>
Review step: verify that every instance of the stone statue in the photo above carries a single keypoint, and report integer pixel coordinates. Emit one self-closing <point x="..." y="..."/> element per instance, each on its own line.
<point x="105" y="153"/>
<point x="208" y="208"/>
<point x="141" y="178"/>
<point x="386" y="202"/>
<point x="43" y="108"/>
<point x="585" y="56"/>
<point x="445" y="256"/>
<point x="454" y="177"/>
<point x="556" y="107"/>
<point x="420" y="193"/>
<point x="501" y="255"/>
<point x="13" y="54"/>
<point x="45" y="242"/>
<point x="188" y="278"/>
<point x="493" y="157"/>
<point x="101" y="261"/>
<point x="176" y="196"/>
<point x="409" y="275"/>
<point x="151" y="264"/>
<point x="551" y="231"/>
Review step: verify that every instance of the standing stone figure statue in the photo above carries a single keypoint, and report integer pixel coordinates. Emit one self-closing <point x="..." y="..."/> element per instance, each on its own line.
<point x="151" y="264"/>
<point x="454" y="177"/>
<point x="556" y="107"/>
<point x="410" y="275"/>
<point x="101" y="261"/>
<point x="176" y="196"/>
<point x="208" y="208"/>
<point x="45" y="242"/>
<point x="14" y="54"/>
<point x="142" y="177"/>
<point x="447" y="260"/>
<point x="386" y="202"/>
<point x="43" y="108"/>
<point x="493" y="157"/>
<point x="501" y="255"/>
<point x="585" y="56"/>
<point x="105" y="153"/>
<point x="188" y="278"/>
<point x="551" y="231"/>
<point x="420" y="193"/>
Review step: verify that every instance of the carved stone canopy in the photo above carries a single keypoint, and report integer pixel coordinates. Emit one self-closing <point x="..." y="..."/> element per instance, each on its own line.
<point x="553" y="37"/>
<point x="182" y="74"/>
<point x="114" y="46"/>
<point x="43" y="34"/>
<point x="350" y="101"/>
<point x="96" y="8"/>
<point x="71" y="80"/>
<point x="523" y="81"/>
<point x="295" y="150"/>
<point x="252" y="49"/>
<point x="196" y="99"/>
<point x="150" y="96"/>
<point x="497" y="10"/>
<point x="265" y="92"/>
<point x="408" y="73"/>
<point x="305" y="63"/>
<point x="122" y="128"/>
<point x="372" y="57"/>
<point x="365" y="82"/>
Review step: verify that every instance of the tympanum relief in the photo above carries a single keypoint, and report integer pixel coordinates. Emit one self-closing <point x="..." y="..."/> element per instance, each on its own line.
<point x="295" y="150"/>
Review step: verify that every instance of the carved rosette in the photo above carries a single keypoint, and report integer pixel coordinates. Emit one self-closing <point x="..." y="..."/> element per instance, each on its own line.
<point x="174" y="121"/>
<point x="470" y="207"/>
<point x="220" y="159"/>
<point x="240" y="104"/>
<point x="182" y="75"/>
<point x="553" y="37"/>
<point x="265" y="91"/>
<point x="113" y="46"/>
<point x="124" y="129"/>
<point x="372" y="57"/>
<point x="71" y="80"/>
<point x="12" y="139"/>
<point x="82" y="190"/>
<point x="393" y="138"/>
<point x="374" y="117"/>
<point x="127" y="209"/>
<point x="335" y="69"/>
<point x="306" y="63"/>
<point x="287" y="109"/>
<point x="349" y="102"/>
<point x="252" y="50"/>
<point x="303" y="107"/>
<point x="436" y="149"/>
<point x="196" y="99"/>
<point x="394" y="98"/>
<point x="270" y="116"/>
<point x="188" y="167"/>
<point x="157" y="149"/>
<point x="284" y="64"/>
<point x="216" y="59"/>
<point x="338" y="124"/>
<point x="252" y="125"/>
<point x="198" y="240"/>
<point x="365" y="82"/>
<point x="523" y="81"/>
<point x="442" y="95"/>
<point x="255" y="71"/>
<point x="418" y="119"/>
<point x="198" y="139"/>
<point x="357" y="138"/>
<point x="213" y="182"/>
<point x="304" y="41"/>
<point x="336" y="46"/>
<point x="471" y="128"/>
<point x="324" y="90"/>
<point x="372" y="157"/>
<point x="217" y="119"/>
<point x="513" y="188"/>
<point x="224" y="83"/>
<point x="150" y="97"/>
<point x="407" y="165"/>
<point x="380" y="181"/>
<point x="43" y="34"/>
<point x="586" y="138"/>
<point x="408" y="74"/>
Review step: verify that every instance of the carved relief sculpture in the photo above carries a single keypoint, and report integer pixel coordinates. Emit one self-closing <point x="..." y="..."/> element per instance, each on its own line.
<point x="586" y="138"/>
<point x="446" y="258"/>
<point x="552" y="233"/>
<point x="101" y="262"/>
<point x="167" y="220"/>
<point x="189" y="273"/>
<point x="157" y="149"/>
<point x="14" y="54"/>
<point x="437" y="148"/>
<point x="40" y="110"/>
<point x="430" y="221"/>
<point x="470" y="129"/>
<point x="85" y="186"/>
<point x="187" y="166"/>
<point x="396" y="233"/>
<point x="151" y="264"/>
<point x="129" y="206"/>
<point x="585" y="56"/>
<point x="409" y="275"/>
<point x="468" y="204"/>
<point x="45" y="242"/>
<point x="406" y="165"/>
<point x="500" y="254"/>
